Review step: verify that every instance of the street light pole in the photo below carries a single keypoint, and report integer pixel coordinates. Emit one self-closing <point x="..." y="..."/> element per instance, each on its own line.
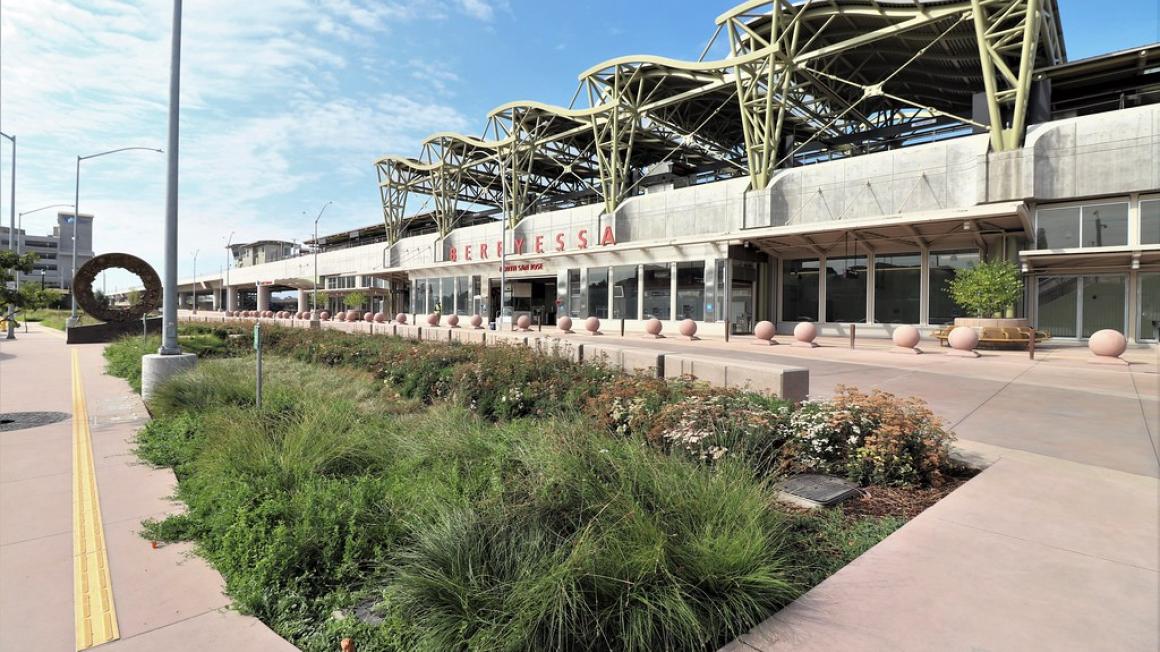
<point x="195" y="253"/>
<point x="169" y="345"/>
<point x="12" y="236"/>
<point x="72" y="319"/>
<point x="314" y="299"/>
<point x="229" y="256"/>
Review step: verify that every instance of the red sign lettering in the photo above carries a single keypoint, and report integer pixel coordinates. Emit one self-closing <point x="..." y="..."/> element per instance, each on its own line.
<point x="539" y="244"/>
<point x="467" y="252"/>
<point x="608" y="237"/>
<point x="519" y="246"/>
<point x="559" y="242"/>
<point x="583" y="237"/>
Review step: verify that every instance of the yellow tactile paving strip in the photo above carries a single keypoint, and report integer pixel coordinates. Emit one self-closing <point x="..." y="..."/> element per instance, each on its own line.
<point x="96" y="616"/>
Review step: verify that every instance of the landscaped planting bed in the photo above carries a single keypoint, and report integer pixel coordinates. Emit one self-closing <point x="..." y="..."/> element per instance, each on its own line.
<point x="420" y="496"/>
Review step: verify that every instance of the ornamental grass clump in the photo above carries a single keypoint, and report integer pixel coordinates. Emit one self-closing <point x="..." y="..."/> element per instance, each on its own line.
<point x="874" y="438"/>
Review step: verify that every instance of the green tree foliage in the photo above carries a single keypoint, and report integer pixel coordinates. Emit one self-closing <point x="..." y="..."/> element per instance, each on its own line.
<point x="10" y="264"/>
<point x="987" y="288"/>
<point x="34" y="297"/>
<point x="355" y="300"/>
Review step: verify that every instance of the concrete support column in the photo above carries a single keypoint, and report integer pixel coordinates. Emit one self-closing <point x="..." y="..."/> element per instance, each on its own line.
<point x="303" y="301"/>
<point x="231" y="298"/>
<point x="216" y="293"/>
<point x="263" y="297"/>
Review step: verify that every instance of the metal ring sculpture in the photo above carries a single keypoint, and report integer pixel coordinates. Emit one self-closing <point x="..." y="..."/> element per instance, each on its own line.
<point x="83" y="287"/>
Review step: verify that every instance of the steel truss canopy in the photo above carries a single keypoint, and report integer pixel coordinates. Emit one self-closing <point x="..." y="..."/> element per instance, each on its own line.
<point x="804" y="81"/>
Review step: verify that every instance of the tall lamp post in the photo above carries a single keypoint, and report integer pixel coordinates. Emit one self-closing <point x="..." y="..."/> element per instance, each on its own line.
<point x="314" y="298"/>
<point x="195" y="253"/>
<point x="12" y="235"/>
<point x="229" y="257"/>
<point x="72" y="318"/>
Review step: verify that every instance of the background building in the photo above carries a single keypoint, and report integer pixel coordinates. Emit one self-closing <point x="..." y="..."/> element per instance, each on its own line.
<point x="54" y="251"/>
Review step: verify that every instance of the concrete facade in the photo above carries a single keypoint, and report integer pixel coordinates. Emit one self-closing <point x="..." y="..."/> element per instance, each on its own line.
<point x="919" y="201"/>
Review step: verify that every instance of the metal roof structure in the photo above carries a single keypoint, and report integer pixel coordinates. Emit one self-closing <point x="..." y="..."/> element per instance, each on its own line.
<point x="804" y="81"/>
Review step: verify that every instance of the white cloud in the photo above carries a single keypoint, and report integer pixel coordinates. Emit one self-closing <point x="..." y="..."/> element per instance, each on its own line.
<point x="277" y="115"/>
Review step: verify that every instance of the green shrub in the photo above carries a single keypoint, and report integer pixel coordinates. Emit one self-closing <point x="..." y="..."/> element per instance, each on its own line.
<point x="987" y="288"/>
<point x="874" y="438"/>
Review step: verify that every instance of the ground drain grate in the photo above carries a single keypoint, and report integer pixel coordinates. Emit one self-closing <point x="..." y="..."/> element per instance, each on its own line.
<point x="21" y="420"/>
<point x="822" y="490"/>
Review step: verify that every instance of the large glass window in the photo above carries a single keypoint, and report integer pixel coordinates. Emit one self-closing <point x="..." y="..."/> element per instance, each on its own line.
<point x="846" y="289"/>
<point x="1057" y="228"/>
<point x="1149" y="306"/>
<point x="574" y="293"/>
<point x="462" y="295"/>
<point x="625" y="292"/>
<point x="1105" y="225"/>
<point x="657" y="291"/>
<point x="1094" y="225"/>
<point x="447" y="296"/>
<point x="598" y="292"/>
<point x="1150" y="222"/>
<point x="799" y="290"/>
<point x="1058" y="301"/>
<point x="1103" y="303"/>
<point x="943" y="267"/>
<point x="419" y="296"/>
<point x="691" y="290"/>
<point x="897" y="288"/>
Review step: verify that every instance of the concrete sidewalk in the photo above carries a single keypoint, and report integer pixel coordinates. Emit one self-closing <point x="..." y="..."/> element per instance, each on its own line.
<point x="165" y="598"/>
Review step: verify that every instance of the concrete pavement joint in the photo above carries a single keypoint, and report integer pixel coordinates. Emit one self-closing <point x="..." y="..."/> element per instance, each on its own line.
<point x="1044" y="545"/>
<point x="1144" y="414"/>
<point x="991" y="397"/>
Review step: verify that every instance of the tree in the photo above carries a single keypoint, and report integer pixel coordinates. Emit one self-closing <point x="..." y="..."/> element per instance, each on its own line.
<point x="133" y="297"/>
<point x="354" y="300"/>
<point x="10" y="263"/>
<point x="987" y="288"/>
<point x="35" y="297"/>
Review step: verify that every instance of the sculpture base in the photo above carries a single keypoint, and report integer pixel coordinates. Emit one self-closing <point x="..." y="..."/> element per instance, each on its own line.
<point x="107" y="332"/>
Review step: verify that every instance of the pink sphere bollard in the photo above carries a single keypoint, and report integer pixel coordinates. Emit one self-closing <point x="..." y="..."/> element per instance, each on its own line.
<point x="804" y="335"/>
<point x="592" y="325"/>
<point x="340" y="316"/>
<point x="324" y="316"/>
<point x="476" y="322"/>
<point x="652" y="329"/>
<point x="564" y="323"/>
<point x="689" y="329"/>
<point x="524" y="323"/>
<point x="1107" y="346"/>
<point x="353" y="315"/>
<point x="433" y="319"/>
<point x="906" y="340"/>
<point x="963" y="340"/>
<point x="401" y="318"/>
<point x="368" y="316"/>
<point x="380" y="318"/>
<point x="453" y="321"/>
<point x="764" y="332"/>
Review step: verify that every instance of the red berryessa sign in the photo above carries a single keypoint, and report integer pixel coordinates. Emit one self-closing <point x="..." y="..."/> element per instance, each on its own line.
<point x="488" y="251"/>
<point x="524" y="267"/>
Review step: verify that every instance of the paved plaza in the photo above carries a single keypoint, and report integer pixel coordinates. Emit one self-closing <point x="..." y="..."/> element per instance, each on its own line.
<point x="1053" y="546"/>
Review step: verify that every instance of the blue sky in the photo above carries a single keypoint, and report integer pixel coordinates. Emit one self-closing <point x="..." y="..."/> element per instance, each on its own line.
<point x="287" y="103"/>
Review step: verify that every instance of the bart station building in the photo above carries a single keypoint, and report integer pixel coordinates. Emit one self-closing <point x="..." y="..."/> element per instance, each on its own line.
<point x="838" y="166"/>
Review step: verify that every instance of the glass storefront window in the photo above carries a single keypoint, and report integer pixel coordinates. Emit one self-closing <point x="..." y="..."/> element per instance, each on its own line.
<point x="943" y="266"/>
<point x="462" y="295"/>
<point x="1057" y="228"/>
<point x="419" y="296"/>
<point x="1149" y="306"/>
<point x="1150" y="222"/>
<point x="743" y="293"/>
<point x="447" y="296"/>
<point x="624" y="297"/>
<point x="1104" y="303"/>
<point x="846" y="289"/>
<point x="657" y="291"/>
<point x="1105" y="225"/>
<point x="897" y="288"/>
<point x="1093" y="225"/>
<point x="691" y="290"/>
<point x="799" y="290"/>
<point x="1058" y="302"/>
<point x="574" y="293"/>
<point x="720" y="299"/>
<point x="598" y="292"/>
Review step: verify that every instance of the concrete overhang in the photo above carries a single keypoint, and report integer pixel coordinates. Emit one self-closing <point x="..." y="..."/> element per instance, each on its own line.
<point x="895" y="233"/>
<point x="1103" y="259"/>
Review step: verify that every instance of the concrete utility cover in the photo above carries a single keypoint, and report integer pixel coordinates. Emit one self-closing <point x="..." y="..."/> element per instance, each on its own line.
<point x="821" y="489"/>
<point x="21" y="420"/>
